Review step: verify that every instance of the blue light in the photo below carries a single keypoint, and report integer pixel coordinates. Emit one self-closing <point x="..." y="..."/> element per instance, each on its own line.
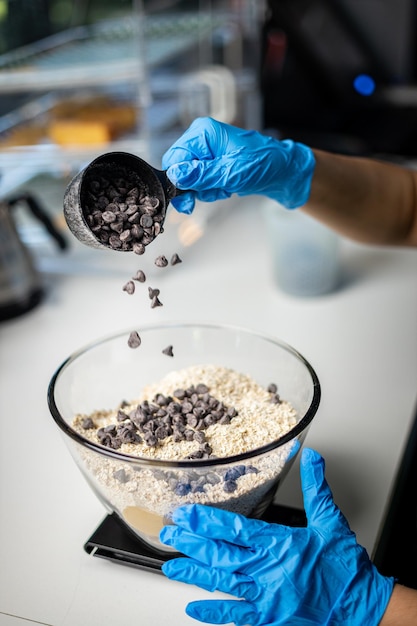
<point x="364" y="84"/>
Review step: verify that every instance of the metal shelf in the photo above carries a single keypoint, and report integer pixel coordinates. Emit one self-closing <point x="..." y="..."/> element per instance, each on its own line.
<point x="104" y="54"/>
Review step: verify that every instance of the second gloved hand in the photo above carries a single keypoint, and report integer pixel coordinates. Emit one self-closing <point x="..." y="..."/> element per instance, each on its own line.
<point x="215" y="160"/>
<point x="283" y="575"/>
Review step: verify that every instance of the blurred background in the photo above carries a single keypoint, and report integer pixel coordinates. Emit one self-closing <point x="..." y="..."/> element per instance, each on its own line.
<point x="79" y="78"/>
<point x="341" y="74"/>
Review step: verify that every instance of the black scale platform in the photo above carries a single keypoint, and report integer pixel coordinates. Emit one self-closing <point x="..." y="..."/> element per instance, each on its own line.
<point x="114" y="541"/>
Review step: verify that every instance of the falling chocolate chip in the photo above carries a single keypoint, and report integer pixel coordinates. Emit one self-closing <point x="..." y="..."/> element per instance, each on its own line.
<point x="156" y="302"/>
<point x="129" y="287"/>
<point x="175" y="259"/>
<point x="161" y="261"/>
<point x="140" y="276"/>
<point x="153" y="293"/>
<point x="134" y="340"/>
<point x="168" y="351"/>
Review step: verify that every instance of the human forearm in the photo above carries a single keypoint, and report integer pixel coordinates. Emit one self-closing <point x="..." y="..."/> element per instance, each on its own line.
<point x="364" y="199"/>
<point x="402" y="608"/>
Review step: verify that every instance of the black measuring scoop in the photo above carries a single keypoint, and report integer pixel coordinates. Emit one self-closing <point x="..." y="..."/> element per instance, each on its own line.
<point x="118" y="202"/>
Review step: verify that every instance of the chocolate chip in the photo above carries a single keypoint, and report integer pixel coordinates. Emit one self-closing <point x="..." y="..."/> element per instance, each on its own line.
<point x="178" y="435"/>
<point x="182" y="489"/>
<point x="87" y="423"/>
<point x="121" y="416"/>
<point x="117" y="227"/>
<point x="146" y="221"/>
<point x="104" y="438"/>
<point x="189" y="434"/>
<point x="140" y="276"/>
<point x="209" y="420"/>
<point x="197" y="487"/>
<point x="121" y="475"/>
<point x="151" y="440"/>
<point x="138" y="248"/>
<point x="192" y="420"/>
<point x="212" y="478"/>
<point x="187" y="407"/>
<point x="161" y="261"/>
<point x="137" y="231"/>
<point x="272" y="388"/>
<point x="125" y="235"/>
<point x="206" y="448"/>
<point x="175" y="259"/>
<point x="199" y="436"/>
<point x="108" y="216"/>
<point x="156" y="302"/>
<point x="129" y="287"/>
<point x="235" y="472"/>
<point x="128" y="435"/>
<point x="168" y="351"/>
<point x="230" y="486"/>
<point x="115" y="242"/>
<point x="198" y="454"/>
<point x="134" y="340"/>
<point x="153" y="293"/>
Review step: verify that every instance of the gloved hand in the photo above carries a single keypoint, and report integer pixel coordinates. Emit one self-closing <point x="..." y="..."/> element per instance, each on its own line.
<point x="215" y="160"/>
<point x="314" y="575"/>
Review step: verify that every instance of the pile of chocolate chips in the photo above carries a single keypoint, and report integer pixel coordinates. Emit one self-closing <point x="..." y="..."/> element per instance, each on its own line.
<point x="194" y="483"/>
<point x="185" y="416"/>
<point x="119" y="213"/>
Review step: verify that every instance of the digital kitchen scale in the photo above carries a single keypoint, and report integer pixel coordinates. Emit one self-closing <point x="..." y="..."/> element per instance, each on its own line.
<point x="114" y="541"/>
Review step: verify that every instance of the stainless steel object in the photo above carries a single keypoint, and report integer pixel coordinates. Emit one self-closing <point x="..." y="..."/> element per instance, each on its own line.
<point x="112" y="165"/>
<point x="21" y="286"/>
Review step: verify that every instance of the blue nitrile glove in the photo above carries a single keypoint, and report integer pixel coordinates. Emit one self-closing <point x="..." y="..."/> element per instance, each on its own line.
<point x="215" y="160"/>
<point x="315" y="575"/>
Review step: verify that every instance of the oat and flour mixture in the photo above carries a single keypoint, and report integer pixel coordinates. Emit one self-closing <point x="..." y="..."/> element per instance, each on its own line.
<point x="198" y="412"/>
<point x="202" y="412"/>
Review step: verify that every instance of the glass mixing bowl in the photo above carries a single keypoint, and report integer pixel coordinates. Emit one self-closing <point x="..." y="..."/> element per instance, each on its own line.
<point x="143" y="492"/>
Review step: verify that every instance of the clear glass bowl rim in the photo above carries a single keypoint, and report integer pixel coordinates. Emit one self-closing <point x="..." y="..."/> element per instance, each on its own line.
<point x="115" y="455"/>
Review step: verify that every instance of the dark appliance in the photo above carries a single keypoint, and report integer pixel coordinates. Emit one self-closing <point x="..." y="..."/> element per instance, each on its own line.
<point x="396" y="551"/>
<point x="338" y="74"/>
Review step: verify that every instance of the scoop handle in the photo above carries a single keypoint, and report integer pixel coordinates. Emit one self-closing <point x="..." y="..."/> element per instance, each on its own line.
<point x="170" y="190"/>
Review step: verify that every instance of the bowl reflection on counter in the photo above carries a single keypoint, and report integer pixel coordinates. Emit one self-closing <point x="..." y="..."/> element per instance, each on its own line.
<point x="144" y="492"/>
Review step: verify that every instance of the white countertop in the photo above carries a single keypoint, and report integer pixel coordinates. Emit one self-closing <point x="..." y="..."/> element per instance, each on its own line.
<point x="361" y="339"/>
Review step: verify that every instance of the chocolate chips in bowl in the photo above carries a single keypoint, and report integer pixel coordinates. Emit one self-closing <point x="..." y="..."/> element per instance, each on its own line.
<point x="118" y="202"/>
<point x="220" y="424"/>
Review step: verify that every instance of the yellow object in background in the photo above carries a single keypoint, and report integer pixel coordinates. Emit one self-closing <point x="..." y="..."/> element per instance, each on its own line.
<point x="79" y="133"/>
<point x="92" y="121"/>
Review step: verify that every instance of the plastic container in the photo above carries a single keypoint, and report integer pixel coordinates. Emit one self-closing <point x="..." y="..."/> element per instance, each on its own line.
<point x="305" y="254"/>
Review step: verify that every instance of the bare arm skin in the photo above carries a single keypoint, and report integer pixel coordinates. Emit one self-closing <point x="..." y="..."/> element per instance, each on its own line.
<point x="402" y="608"/>
<point x="364" y="199"/>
